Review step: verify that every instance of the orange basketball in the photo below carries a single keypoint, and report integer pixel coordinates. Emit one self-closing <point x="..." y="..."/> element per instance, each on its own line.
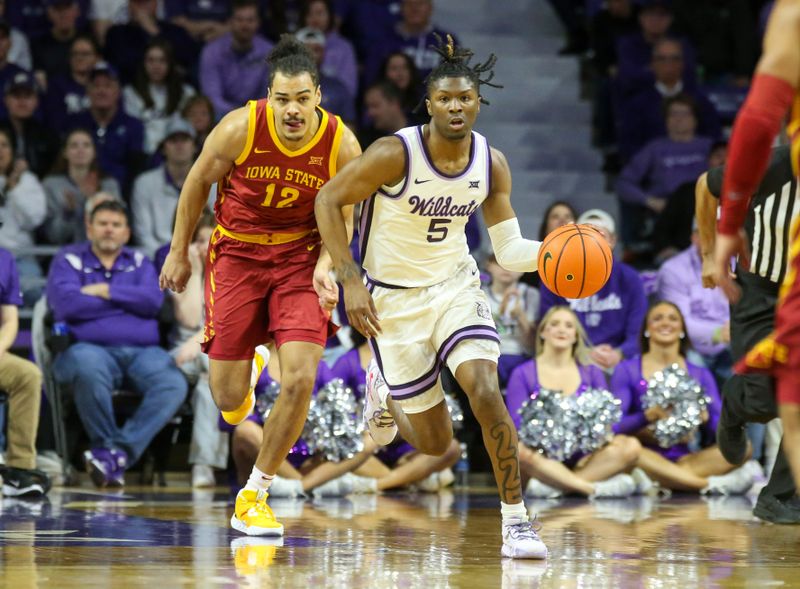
<point x="575" y="261"/>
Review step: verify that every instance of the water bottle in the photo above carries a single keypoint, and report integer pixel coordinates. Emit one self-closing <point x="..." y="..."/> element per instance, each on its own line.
<point x="461" y="468"/>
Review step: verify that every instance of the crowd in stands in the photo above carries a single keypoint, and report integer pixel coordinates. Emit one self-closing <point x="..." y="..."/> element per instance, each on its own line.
<point x="106" y="104"/>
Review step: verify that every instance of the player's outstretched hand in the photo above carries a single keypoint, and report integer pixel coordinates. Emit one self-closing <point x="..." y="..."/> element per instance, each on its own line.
<point x="361" y="311"/>
<point x="327" y="290"/>
<point x="176" y="272"/>
<point x="728" y="246"/>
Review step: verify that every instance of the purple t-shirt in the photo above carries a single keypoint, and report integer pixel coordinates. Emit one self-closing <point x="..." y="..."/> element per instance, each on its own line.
<point x="524" y="382"/>
<point x="10" y="293"/>
<point x="65" y="97"/>
<point x="613" y="315"/>
<point x="629" y="386"/>
<point x="127" y="318"/>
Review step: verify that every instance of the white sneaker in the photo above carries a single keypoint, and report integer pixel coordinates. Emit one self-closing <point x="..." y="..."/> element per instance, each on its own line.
<point x="621" y="485"/>
<point x="333" y="488"/>
<point x="446" y="478"/>
<point x="359" y="485"/>
<point x="377" y="418"/>
<point x="203" y="476"/>
<point x="521" y="541"/>
<point x="644" y="484"/>
<point x="736" y="482"/>
<point x="287" y="488"/>
<point x="430" y="484"/>
<point x="538" y="489"/>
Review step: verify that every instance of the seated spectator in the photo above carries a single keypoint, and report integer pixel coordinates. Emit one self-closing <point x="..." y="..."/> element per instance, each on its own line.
<point x="204" y="20"/>
<point x="200" y="113"/>
<point x="23" y="206"/>
<point x="104" y="14"/>
<point x="367" y="24"/>
<point x="209" y="445"/>
<point x="642" y="117"/>
<point x="340" y="57"/>
<point x="75" y="178"/>
<point x="385" y="113"/>
<point x="399" y="69"/>
<point x="34" y="143"/>
<point x="634" y="52"/>
<point x="612" y="317"/>
<point x="126" y="43"/>
<point x="108" y="296"/>
<point x="663" y="343"/>
<point x="414" y="35"/>
<point x="156" y="192"/>
<point x="336" y="98"/>
<point x="724" y="35"/>
<point x="51" y="50"/>
<point x="706" y="311"/>
<point x="514" y="307"/>
<point x="66" y="92"/>
<point x="557" y="214"/>
<point x="645" y="185"/>
<point x="20" y="52"/>
<point x="118" y="137"/>
<point x="233" y="68"/>
<point x="157" y="94"/>
<point x="21" y="380"/>
<point x="562" y="364"/>
<point x="398" y="464"/>
<point x="301" y="472"/>
<point x="30" y="17"/>
<point x="7" y="69"/>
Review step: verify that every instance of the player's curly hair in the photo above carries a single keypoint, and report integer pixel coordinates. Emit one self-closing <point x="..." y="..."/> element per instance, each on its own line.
<point x="291" y="58"/>
<point x="455" y="64"/>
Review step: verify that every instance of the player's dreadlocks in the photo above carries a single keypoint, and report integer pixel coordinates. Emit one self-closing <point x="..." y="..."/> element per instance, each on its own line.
<point x="291" y="57"/>
<point x="455" y="64"/>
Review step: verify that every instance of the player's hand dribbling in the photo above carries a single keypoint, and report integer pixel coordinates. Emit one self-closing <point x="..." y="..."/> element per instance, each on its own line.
<point x="728" y="246"/>
<point x="176" y="272"/>
<point x="361" y="311"/>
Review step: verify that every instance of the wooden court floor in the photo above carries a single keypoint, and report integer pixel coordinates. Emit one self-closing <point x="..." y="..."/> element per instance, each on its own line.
<point x="174" y="537"/>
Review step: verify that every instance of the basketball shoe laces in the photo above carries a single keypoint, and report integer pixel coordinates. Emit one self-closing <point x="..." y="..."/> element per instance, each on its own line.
<point x="381" y="417"/>
<point x="261" y="507"/>
<point x="525" y="530"/>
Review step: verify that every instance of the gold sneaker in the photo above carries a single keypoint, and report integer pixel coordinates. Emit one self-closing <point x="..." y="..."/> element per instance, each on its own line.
<point x="244" y="410"/>
<point x="252" y="515"/>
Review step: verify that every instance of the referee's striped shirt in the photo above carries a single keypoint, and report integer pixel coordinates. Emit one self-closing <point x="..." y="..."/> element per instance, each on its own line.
<point x="772" y="208"/>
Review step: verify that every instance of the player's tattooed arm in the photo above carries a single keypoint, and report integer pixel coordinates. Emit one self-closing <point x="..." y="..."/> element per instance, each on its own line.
<point x="348" y="271"/>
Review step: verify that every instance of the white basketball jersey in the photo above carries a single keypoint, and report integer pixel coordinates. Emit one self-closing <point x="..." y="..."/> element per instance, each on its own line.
<point x="412" y="234"/>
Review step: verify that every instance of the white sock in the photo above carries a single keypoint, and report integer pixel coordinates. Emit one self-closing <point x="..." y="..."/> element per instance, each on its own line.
<point x="259" y="481"/>
<point x="513" y="513"/>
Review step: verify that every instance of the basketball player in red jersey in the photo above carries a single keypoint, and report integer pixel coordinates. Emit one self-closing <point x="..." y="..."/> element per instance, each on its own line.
<point x="775" y="89"/>
<point x="267" y="273"/>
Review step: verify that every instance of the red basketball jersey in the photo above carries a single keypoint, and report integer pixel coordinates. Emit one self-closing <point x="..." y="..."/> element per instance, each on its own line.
<point x="272" y="188"/>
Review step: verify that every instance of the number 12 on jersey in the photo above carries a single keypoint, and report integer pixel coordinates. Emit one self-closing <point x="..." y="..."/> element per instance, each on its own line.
<point x="288" y="196"/>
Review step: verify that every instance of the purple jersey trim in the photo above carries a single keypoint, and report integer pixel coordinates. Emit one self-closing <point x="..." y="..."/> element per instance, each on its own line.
<point x="432" y="166"/>
<point x="407" y="151"/>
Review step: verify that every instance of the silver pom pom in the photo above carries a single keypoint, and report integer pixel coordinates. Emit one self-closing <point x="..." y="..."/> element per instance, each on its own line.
<point x="456" y="412"/>
<point x="673" y="389"/>
<point x="266" y="399"/>
<point x="599" y="411"/>
<point x="559" y="426"/>
<point x="334" y="426"/>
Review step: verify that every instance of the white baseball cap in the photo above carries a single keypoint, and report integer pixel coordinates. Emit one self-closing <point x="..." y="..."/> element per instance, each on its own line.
<point x="600" y="218"/>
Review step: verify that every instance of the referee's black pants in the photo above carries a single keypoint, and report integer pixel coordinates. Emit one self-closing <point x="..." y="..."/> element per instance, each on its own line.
<point x="751" y="397"/>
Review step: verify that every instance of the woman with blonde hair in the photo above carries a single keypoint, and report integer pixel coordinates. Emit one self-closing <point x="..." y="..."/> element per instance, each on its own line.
<point x="562" y="364"/>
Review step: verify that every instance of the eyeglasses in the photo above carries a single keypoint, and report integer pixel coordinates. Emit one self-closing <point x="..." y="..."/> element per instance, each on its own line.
<point x="668" y="58"/>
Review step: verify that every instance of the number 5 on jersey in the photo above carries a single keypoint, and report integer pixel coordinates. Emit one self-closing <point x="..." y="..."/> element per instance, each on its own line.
<point x="437" y="230"/>
<point x="288" y="196"/>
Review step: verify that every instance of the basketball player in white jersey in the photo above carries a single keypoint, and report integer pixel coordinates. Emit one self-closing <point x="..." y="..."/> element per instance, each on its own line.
<point x="422" y="305"/>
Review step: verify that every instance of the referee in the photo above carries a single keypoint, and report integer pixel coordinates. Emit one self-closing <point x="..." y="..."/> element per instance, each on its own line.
<point x="751" y="397"/>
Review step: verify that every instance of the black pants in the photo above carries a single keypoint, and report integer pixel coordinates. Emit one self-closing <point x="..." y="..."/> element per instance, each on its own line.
<point x="751" y="397"/>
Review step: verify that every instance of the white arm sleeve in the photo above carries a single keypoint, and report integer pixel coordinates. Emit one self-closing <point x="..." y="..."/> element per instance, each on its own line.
<point x="512" y="251"/>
